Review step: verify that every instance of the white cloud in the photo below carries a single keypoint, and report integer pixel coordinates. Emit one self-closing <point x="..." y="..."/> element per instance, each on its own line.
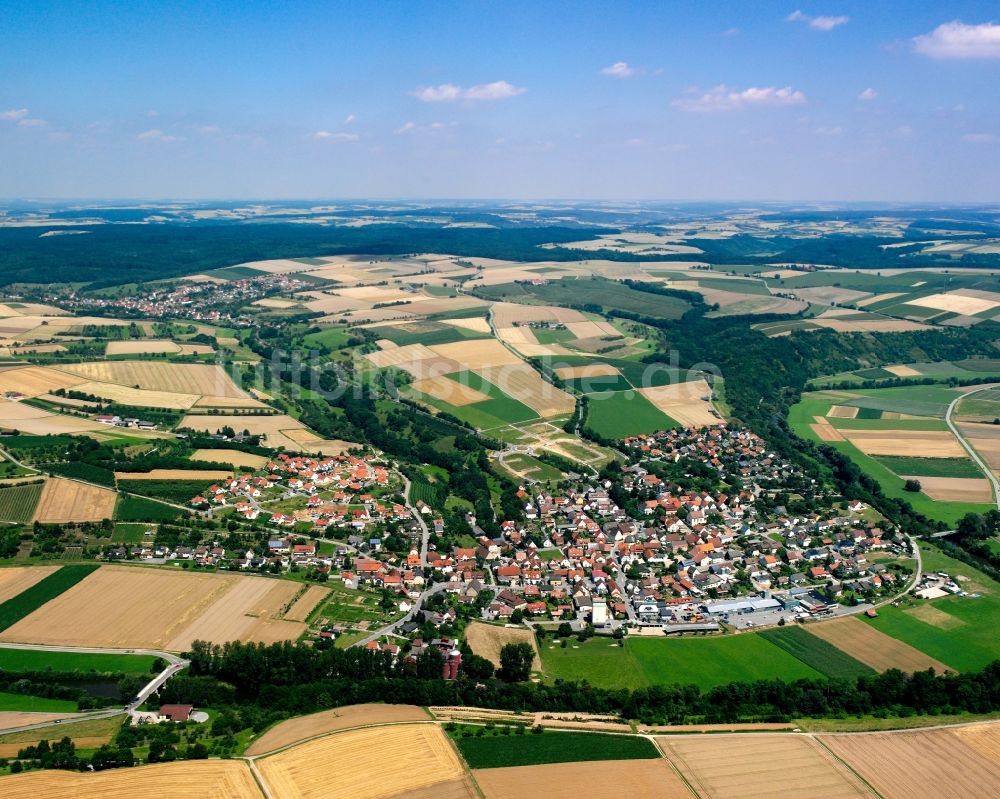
<point x="349" y="120"/>
<point x="731" y="32"/>
<point x="868" y="94"/>
<point x="619" y="70"/>
<point x="326" y="135"/>
<point x="818" y="23"/>
<point x="979" y="138"/>
<point x="157" y="135"/>
<point x="28" y="122"/>
<point x="722" y="98"/>
<point x="406" y="127"/>
<point x="14" y="114"/>
<point x="958" y="40"/>
<point x="450" y="93"/>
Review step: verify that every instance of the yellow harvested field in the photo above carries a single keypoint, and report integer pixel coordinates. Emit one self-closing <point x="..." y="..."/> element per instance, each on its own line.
<point x="525" y="385"/>
<point x="16" y="579"/>
<point x="935" y="763"/>
<point x="505" y="314"/>
<point x="517" y="336"/>
<point x="877" y="324"/>
<point x="476" y="325"/>
<point x="230" y="456"/>
<point x="590" y="329"/>
<point x="961" y="301"/>
<point x="448" y="390"/>
<point x="843" y="412"/>
<point x="277" y="431"/>
<point x="396" y="356"/>
<point x="248" y="611"/>
<point x="486" y="640"/>
<point x="589" y="370"/>
<point x="901" y="370"/>
<point x="955" y="489"/>
<point x="34" y="380"/>
<point x="688" y="402"/>
<point x="985" y="440"/>
<point x="877" y="298"/>
<point x="923" y="443"/>
<point x="11" y="718"/>
<point x="69" y="501"/>
<point x="477" y="353"/>
<point x="228" y="402"/>
<point x="139" y="397"/>
<point x="760" y="765"/>
<point x="399" y="761"/>
<point x="874" y="648"/>
<point x="930" y="614"/>
<point x="176" y="474"/>
<point x="306" y="603"/>
<point x="302" y="728"/>
<point x="122" y="607"/>
<point x="41" y="422"/>
<point x="641" y="779"/>
<point x="196" y="349"/>
<point x="146" y="346"/>
<point x="205" y="779"/>
<point x="175" y="378"/>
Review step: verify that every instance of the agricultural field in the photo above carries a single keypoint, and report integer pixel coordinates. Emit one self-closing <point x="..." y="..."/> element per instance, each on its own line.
<point x="496" y="750"/>
<point x="38" y="660"/>
<point x="896" y="434"/>
<point x="525" y="467"/>
<point x="761" y="765"/>
<point x="276" y="431"/>
<point x="25" y="703"/>
<point x="233" y="457"/>
<point x="407" y="760"/>
<point x="211" y="779"/>
<point x="641" y="779"/>
<point x="704" y="661"/>
<point x="486" y="640"/>
<point x="70" y="501"/>
<point x="35" y="595"/>
<point x="15" y="579"/>
<point x="625" y="413"/>
<point x="18" y="503"/>
<point x="306" y="603"/>
<point x="817" y="653"/>
<point x="302" y="728"/>
<point x="122" y="607"/>
<point x="902" y="765"/>
<point x="958" y="631"/>
<point x="872" y="647"/>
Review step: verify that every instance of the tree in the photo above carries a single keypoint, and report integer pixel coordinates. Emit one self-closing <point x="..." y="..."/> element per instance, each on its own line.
<point x="912" y="485"/>
<point x="476" y="667"/>
<point x="515" y="662"/>
<point x="430" y="664"/>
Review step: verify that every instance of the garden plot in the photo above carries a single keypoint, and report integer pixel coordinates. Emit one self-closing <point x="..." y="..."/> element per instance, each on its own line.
<point x="641" y="779"/>
<point x="413" y="760"/>
<point x="327" y="721"/>
<point x="874" y="648"/>
<point x="205" y="779"/>
<point x="70" y="501"/>
<point x="762" y="765"/>
<point x="940" y="763"/>
<point x="687" y="403"/>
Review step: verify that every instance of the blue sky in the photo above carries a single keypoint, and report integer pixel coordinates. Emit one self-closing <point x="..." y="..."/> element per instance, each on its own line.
<point x="618" y="100"/>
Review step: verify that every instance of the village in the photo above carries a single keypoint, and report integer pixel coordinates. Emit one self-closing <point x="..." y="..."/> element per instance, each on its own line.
<point x="639" y="551"/>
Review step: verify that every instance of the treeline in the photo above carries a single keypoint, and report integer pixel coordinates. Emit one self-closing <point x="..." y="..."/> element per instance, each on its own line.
<point x="297" y="678"/>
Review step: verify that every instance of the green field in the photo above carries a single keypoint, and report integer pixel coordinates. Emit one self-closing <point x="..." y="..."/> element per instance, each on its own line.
<point x="29" y="600"/>
<point x="546" y="335"/>
<point x="499" y="410"/>
<point x="497" y="750"/>
<point x="930" y="467"/>
<point x="817" y="653"/>
<point x="332" y="338"/>
<point x="597" y="292"/>
<point x="37" y="660"/>
<point x="532" y="467"/>
<point x="23" y="703"/>
<point x="967" y="640"/>
<point x="703" y="661"/>
<point x="18" y="503"/>
<point x="427" y="333"/>
<point x="625" y="413"/>
<point x="131" y="509"/>
<point x="178" y="491"/>
<point x="598" y="385"/>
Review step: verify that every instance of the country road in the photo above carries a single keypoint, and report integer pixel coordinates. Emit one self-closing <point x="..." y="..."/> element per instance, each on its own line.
<point x="425" y="531"/>
<point x="390" y="629"/>
<point x="984" y="467"/>
<point x="175" y="665"/>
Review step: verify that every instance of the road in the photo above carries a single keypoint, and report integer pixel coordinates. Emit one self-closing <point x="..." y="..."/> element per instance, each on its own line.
<point x="969" y="448"/>
<point x="425" y="530"/>
<point x="175" y="664"/>
<point x="390" y="629"/>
